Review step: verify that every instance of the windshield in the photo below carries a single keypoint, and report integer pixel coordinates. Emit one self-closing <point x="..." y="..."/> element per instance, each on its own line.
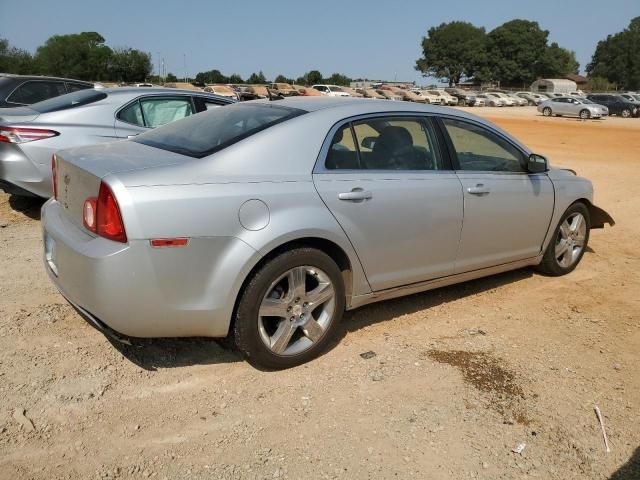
<point x="335" y="89"/>
<point x="70" y="100"/>
<point x="208" y="132"/>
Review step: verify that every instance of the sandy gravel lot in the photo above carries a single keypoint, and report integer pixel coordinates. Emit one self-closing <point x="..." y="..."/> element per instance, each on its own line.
<point x="460" y="375"/>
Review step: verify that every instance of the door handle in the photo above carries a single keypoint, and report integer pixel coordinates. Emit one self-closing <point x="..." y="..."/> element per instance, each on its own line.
<point x="479" y="189"/>
<point x="132" y="136"/>
<point x="355" y="195"/>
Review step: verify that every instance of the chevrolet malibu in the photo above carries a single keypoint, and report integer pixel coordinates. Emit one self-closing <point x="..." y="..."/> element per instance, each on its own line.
<point x="266" y="220"/>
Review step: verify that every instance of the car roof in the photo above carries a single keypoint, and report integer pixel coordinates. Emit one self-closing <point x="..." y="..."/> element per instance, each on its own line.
<point x="40" y="77"/>
<point x="134" y="91"/>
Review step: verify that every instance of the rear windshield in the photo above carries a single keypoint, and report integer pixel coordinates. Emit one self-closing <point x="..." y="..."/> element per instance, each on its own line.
<point x="70" y="100"/>
<point x="209" y="132"/>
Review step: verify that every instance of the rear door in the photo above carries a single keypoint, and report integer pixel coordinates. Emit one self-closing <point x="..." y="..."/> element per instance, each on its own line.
<point x="507" y="211"/>
<point x="152" y="111"/>
<point x="394" y="194"/>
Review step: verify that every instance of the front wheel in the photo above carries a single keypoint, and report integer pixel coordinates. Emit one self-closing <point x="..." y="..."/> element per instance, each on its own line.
<point x="568" y="243"/>
<point x="626" y="113"/>
<point x="546" y="111"/>
<point x="584" y="114"/>
<point x="289" y="310"/>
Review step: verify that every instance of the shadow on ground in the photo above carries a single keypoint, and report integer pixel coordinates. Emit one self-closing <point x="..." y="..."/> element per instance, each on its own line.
<point x="29" y="206"/>
<point x="630" y="470"/>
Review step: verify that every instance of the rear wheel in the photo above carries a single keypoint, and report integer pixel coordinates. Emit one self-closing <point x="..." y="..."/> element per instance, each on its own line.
<point x="546" y="111"/>
<point x="626" y="113"/>
<point x="290" y="309"/>
<point x="584" y="114"/>
<point x="569" y="242"/>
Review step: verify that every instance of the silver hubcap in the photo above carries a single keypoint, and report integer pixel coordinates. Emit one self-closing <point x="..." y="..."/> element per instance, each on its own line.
<point x="547" y="112"/>
<point x="584" y="114"/>
<point x="570" y="241"/>
<point x="626" y="113"/>
<point x="296" y="310"/>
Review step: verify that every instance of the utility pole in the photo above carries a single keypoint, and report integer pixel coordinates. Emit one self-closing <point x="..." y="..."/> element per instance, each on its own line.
<point x="184" y="56"/>
<point x="158" y="67"/>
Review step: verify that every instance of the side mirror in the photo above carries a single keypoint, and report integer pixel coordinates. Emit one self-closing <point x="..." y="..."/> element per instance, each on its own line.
<point x="368" y="142"/>
<point x="537" y="164"/>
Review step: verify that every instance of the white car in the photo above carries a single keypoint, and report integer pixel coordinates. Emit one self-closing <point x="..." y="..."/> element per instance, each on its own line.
<point x="507" y="100"/>
<point x="445" y="98"/>
<point x="491" y="100"/>
<point x="331" y="90"/>
<point x="428" y="97"/>
<point x="520" y="102"/>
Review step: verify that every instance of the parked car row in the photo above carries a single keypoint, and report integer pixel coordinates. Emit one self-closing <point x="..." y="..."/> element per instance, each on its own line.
<point x="597" y="105"/>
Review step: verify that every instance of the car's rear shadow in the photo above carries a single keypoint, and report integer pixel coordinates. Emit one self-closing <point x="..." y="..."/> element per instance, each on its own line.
<point x="153" y="354"/>
<point x="28" y="206"/>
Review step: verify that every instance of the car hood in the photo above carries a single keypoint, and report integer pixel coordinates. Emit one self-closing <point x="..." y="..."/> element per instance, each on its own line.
<point x="122" y="156"/>
<point x="17" y="115"/>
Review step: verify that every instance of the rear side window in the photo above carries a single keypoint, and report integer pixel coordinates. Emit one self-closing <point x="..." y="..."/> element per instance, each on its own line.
<point x="211" y="131"/>
<point x="74" y="87"/>
<point x="36" y="91"/>
<point x="70" y="100"/>
<point x="132" y="114"/>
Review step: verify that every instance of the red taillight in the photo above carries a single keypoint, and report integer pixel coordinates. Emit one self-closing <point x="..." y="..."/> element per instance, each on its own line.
<point x="54" y="175"/>
<point x="102" y="215"/>
<point x="24" y="135"/>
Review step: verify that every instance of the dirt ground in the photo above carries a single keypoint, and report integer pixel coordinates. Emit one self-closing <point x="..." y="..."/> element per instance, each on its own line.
<point x="451" y="381"/>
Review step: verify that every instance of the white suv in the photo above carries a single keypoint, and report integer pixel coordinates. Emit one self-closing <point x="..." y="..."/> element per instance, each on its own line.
<point x="331" y="90"/>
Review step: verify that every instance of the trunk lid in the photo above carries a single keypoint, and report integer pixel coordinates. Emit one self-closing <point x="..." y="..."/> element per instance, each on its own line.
<point x="80" y="170"/>
<point x="10" y="116"/>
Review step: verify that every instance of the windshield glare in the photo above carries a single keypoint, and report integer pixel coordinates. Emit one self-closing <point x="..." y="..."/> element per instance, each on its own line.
<point x="211" y="131"/>
<point x="70" y="100"/>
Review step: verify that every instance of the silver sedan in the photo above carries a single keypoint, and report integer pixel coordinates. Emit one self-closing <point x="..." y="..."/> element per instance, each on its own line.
<point x="268" y="219"/>
<point x="571" y="106"/>
<point x="29" y="136"/>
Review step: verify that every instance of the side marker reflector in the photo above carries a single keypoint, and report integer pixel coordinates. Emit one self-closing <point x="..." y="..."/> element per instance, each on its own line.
<point x="169" y="242"/>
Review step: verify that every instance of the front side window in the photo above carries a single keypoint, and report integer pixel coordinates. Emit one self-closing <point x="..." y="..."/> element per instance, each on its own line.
<point x="36" y="91"/>
<point x="479" y="149"/>
<point x="385" y="144"/>
<point x="160" y="111"/>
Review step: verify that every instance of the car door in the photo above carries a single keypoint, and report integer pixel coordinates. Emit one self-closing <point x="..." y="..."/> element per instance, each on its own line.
<point x="394" y="194"/>
<point x="507" y="211"/>
<point x="151" y="111"/>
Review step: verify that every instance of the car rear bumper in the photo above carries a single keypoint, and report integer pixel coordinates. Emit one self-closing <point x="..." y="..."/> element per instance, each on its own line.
<point x="140" y="291"/>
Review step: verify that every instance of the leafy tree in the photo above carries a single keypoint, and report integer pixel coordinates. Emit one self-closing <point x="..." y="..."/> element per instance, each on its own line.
<point x="81" y="55"/>
<point x="235" y="78"/>
<point x="339" y="79"/>
<point x="211" y="76"/>
<point x="556" y="62"/>
<point x="14" y="60"/>
<point x="171" y="78"/>
<point x="129" y="65"/>
<point x="600" y="84"/>
<point x="515" y="51"/>
<point x="257" y="78"/>
<point x="313" y="77"/>
<point x="617" y="58"/>
<point x="301" y="81"/>
<point x="452" y="51"/>
<point x="283" y="79"/>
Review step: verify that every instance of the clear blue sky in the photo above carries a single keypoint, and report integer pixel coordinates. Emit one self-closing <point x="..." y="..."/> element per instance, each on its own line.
<point x="358" y="38"/>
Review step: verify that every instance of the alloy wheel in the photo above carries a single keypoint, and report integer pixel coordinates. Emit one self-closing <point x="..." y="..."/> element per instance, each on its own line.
<point x="570" y="240"/>
<point x="296" y="310"/>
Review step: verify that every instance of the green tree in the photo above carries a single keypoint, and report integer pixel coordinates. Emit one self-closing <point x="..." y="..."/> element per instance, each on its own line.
<point x="171" y="78"/>
<point x="339" y="79"/>
<point x="515" y="51"/>
<point x="211" y="76"/>
<point x="129" y="65"/>
<point x="81" y="55"/>
<point x="313" y="77"/>
<point x="257" y="78"/>
<point x="283" y="79"/>
<point x="617" y="58"/>
<point x="452" y="51"/>
<point x="14" y="60"/>
<point x="235" y="78"/>
<point x="556" y="62"/>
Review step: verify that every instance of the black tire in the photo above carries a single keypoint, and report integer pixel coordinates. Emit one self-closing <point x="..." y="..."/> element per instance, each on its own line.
<point x="585" y="114"/>
<point x="550" y="264"/>
<point x="546" y="111"/>
<point x="246" y="328"/>
<point x="626" y="113"/>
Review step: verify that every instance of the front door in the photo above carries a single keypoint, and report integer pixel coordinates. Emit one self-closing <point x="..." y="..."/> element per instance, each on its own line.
<point x="396" y="198"/>
<point x="507" y="211"/>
